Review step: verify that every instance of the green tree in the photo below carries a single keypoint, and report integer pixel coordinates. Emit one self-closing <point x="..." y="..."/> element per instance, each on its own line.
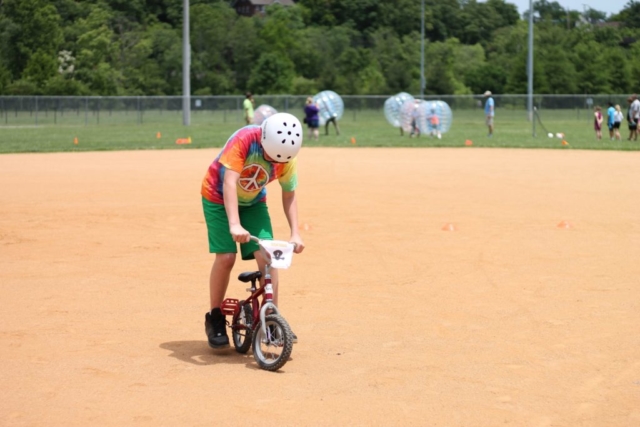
<point x="210" y="46"/>
<point x="508" y="12"/>
<point x="398" y="59"/>
<point x="591" y="67"/>
<point x="245" y="47"/>
<point x="439" y="69"/>
<point x="272" y="74"/>
<point x="29" y="26"/>
<point x="560" y="72"/>
<point x="98" y="49"/>
<point x="40" y="68"/>
<point x="486" y="77"/>
<point x="361" y="73"/>
<point x="618" y="70"/>
<point x="517" y="80"/>
<point x="5" y="79"/>
<point x="60" y="85"/>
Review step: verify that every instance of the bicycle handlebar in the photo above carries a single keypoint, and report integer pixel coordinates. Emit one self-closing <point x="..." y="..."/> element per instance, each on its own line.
<point x="257" y="240"/>
<point x="265" y="253"/>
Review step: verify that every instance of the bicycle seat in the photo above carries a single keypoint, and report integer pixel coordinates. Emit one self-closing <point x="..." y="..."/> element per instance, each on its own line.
<point x="249" y="276"/>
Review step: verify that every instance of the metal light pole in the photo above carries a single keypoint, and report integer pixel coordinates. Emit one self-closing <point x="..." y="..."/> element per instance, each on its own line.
<point x="186" y="66"/>
<point x="423" y="82"/>
<point x="530" y="70"/>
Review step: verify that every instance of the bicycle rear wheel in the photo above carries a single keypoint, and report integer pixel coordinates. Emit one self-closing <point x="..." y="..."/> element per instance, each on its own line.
<point x="242" y="336"/>
<point x="272" y="350"/>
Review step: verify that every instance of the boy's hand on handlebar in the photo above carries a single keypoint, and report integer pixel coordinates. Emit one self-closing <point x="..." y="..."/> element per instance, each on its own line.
<point x="239" y="234"/>
<point x="298" y="244"/>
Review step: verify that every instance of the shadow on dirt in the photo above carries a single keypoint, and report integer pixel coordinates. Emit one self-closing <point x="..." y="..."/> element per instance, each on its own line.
<point x="199" y="353"/>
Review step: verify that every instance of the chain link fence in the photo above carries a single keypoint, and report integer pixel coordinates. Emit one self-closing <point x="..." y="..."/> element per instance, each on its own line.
<point x="123" y="110"/>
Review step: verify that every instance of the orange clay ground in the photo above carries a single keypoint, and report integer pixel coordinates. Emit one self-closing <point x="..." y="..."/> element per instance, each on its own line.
<point x="504" y="319"/>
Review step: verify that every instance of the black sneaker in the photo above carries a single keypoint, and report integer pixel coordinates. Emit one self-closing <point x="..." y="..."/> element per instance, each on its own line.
<point x="215" y="326"/>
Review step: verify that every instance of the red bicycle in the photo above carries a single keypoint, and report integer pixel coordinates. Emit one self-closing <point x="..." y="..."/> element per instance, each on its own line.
<point x="257" y="321"/>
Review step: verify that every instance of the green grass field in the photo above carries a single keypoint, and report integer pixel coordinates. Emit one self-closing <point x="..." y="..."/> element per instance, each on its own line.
<point x="130" y="131"/>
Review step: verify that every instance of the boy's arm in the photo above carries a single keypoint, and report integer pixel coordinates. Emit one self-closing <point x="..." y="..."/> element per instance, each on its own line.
<point x="230" y="196"/>
<point x="290" y="206"/>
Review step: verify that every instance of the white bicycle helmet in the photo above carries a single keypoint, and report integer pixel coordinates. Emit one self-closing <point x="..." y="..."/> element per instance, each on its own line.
<point x="282" y="137"/>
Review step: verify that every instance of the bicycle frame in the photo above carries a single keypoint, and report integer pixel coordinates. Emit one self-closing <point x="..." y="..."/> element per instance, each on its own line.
<point x="259" y="310"/>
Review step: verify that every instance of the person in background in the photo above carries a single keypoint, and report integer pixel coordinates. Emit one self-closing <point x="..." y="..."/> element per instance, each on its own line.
<point x="635" y="112"/>
<point x="311" y="118"/>
<point x="415" y="113"/>
<point x="611" y="111"/>
<point x="633" y="126"/>
<point x="333" y="119"/>
<point x="597" y="121"/>
<point x="434" y="124"/>
<point x="489" y="112"/>
<point x="617" y="121"/>
<point x="248" y="106"/>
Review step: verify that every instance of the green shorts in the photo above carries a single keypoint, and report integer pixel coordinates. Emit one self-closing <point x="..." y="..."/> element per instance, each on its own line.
<point x="255" y="219"/>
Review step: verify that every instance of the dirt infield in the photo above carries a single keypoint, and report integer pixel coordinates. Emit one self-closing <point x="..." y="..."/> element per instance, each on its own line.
<point x="506" y="320"/>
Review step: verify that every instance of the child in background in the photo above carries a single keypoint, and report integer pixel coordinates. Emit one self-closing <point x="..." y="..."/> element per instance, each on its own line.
<point x="597" y="122"/>
<point x="617" y="121"/>
<point x="434" y="124"/>
<point x="611" y="111"/>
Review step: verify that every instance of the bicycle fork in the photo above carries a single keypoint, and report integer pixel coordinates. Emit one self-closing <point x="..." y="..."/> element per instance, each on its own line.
<point x="268" y="304"/>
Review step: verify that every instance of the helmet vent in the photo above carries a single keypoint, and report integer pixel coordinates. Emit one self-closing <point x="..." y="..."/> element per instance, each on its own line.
<point x="279" y="131"/>
<point x="284" y="140"/>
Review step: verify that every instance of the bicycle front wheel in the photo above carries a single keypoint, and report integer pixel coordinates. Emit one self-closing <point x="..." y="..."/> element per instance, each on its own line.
<point x="272" y="350"/>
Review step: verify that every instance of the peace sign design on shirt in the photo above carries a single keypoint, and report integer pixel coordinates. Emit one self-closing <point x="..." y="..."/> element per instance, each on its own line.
<point x="253" y="177"/>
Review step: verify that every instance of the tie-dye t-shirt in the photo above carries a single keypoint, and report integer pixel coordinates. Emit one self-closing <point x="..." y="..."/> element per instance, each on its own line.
<point x="243" y="153"/>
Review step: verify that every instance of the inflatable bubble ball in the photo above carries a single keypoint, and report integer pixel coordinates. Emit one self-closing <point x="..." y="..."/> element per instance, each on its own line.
<point x="392" y="107"/>
<point x="432" y="118"/>
<point x="330" y="105"/>
<point x="262" y="113"/>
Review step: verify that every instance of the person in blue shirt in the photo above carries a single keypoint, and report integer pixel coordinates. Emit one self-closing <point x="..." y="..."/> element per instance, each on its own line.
<point x="489" y="111"/>
<point x="611" y="112"/>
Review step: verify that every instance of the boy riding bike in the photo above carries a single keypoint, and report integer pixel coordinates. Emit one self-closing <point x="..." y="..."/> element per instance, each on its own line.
<point x="234" y="204"/>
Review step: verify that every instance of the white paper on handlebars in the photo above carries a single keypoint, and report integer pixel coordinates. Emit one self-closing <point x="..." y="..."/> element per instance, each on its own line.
<point x="281" y="252"/>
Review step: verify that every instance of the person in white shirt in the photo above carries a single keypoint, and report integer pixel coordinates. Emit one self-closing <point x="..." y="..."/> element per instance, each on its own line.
<point x="635" y="108"/>
<point x="617" y="121"/>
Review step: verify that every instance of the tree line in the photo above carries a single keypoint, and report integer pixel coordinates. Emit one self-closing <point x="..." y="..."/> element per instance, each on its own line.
<point x="364" y="47"/>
